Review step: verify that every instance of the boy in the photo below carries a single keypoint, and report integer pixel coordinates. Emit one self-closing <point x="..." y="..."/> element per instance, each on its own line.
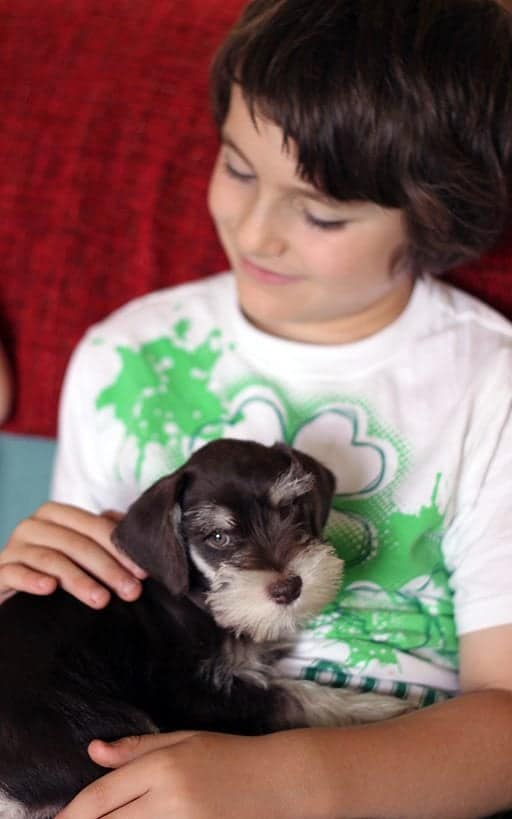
<point x="365" y="147"/>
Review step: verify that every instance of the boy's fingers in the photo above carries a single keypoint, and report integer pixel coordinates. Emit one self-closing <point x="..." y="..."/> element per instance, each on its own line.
<point x="110" y="795"/>
<point x="89" y="546"/>
<point x="115" y="754"/>
<point x="17" y="577"/>
<point x="95" y="527"/>
<point x="67" y="546"/>
<point x="81" y="566"/>
<point x="55" y="566"/>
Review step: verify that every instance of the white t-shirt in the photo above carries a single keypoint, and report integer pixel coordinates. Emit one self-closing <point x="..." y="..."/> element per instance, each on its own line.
<point x="415" y="422"/>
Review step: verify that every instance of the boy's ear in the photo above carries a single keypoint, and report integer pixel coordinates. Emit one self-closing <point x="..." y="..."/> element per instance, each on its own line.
<point x="149" y="533"/>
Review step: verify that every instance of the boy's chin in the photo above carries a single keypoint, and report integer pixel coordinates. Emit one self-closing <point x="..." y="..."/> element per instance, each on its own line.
<point x="263" y="313"/>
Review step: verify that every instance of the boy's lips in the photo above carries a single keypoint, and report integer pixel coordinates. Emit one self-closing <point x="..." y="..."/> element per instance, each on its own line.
<point x="264" y="275"/>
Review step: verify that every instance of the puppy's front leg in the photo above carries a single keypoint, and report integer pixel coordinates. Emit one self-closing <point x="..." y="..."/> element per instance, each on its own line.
<point x="309" y="704"/>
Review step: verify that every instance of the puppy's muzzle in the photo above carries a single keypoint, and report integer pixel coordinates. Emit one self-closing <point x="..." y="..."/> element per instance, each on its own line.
<point x="268" y="605"/>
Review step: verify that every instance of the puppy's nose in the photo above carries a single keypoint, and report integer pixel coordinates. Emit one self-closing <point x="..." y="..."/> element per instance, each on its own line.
<point x="285" y="590"/>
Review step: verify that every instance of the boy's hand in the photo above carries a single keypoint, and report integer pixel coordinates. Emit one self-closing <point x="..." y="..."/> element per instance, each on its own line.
<point x="190" y="775"/>
<point x="65" y="546"/>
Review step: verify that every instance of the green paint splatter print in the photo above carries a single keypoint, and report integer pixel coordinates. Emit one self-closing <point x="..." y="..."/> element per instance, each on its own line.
<point x="143" y="396"/>
<point x="396" y="596"/>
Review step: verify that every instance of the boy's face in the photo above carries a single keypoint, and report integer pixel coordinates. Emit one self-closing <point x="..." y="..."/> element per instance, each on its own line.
<point x="307" y="268"/>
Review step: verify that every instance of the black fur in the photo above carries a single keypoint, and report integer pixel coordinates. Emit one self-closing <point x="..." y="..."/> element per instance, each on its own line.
<point x="70" y="674"/>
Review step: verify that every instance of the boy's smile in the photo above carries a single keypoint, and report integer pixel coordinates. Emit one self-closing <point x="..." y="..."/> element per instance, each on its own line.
<point x="307" y="268"/>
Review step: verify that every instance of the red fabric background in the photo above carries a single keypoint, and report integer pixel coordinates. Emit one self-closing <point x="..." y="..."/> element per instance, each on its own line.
<point x="105" y="150"/>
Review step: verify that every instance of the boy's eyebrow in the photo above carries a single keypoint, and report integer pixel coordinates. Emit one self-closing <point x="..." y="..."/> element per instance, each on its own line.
<point x="309" y="191"/>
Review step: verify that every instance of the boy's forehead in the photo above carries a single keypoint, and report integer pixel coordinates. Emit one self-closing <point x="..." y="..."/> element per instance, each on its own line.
<point x="248" y="132"/>
<point x="260" y="143"/>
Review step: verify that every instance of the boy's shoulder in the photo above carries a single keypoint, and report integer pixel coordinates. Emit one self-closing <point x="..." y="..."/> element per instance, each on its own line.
<point x="156" y="311"/>
<point x="456" y="309"/>
<point x="465" y="337"/>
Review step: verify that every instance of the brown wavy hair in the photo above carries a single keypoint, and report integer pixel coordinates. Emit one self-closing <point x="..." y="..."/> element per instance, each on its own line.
<point x="405" y="103"/>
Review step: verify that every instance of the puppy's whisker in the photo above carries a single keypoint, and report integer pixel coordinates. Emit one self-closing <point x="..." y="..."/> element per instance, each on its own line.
<point x="321" y="571"/>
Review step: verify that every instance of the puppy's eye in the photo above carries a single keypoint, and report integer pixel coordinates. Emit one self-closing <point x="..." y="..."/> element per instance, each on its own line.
<point x="218" y="539"/>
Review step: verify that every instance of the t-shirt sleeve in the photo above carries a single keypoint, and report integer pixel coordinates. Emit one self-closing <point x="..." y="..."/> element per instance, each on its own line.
<point x="478" y="544"/>
<point x="77" y="477"/>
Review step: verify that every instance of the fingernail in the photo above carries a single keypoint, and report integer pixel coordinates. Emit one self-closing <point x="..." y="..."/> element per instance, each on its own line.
<point x="99" y="596"/>
<point x="100" y="742"/>
<point x="45" y="583"/>
<point x="129" y="587"/>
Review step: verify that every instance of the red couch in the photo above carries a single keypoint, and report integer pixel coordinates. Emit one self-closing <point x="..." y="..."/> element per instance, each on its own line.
<point x="105" y="149"/>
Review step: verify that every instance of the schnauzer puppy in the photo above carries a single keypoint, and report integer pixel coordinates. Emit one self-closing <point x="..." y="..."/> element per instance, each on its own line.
<point x="232" y="544"/>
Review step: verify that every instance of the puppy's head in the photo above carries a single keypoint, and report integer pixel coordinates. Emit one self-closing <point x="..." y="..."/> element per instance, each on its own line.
<point x="246" y="520"/>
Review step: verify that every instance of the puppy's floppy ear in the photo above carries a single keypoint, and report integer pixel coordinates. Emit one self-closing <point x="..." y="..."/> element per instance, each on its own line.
<point x="149" y="533"/>
<point x="324" y="486"/>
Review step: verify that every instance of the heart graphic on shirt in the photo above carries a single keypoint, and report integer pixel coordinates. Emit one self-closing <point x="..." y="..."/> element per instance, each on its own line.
<point x="336" y="435"/>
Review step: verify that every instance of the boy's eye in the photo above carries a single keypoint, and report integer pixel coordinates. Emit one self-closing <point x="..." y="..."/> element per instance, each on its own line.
<point x="324" y="224"/>
<point x="236" y="174"/>
<point x="218" y="539"/>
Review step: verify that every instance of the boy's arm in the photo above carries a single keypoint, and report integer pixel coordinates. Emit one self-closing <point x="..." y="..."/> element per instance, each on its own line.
<point x="448" y="761"/>
<point x="452" y="760"/>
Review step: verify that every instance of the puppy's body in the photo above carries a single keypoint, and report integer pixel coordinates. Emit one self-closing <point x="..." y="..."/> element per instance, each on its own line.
<point x="136" y="668"/>
<point x="238" y="566"/>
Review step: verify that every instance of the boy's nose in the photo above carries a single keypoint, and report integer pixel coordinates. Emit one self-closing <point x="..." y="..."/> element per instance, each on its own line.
<point x="259" y="235"/>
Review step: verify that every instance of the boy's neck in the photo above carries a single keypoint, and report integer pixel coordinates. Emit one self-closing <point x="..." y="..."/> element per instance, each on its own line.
<point x="350" y="328"/>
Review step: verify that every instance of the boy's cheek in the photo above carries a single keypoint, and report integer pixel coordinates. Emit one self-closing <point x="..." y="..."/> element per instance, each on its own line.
<point x="217" y="196"/>
<point x="220" y="211"/>
<point x="225" y="201"/>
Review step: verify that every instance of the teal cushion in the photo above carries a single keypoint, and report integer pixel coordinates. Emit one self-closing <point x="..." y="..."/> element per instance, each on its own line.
<point x="25" y="468"/>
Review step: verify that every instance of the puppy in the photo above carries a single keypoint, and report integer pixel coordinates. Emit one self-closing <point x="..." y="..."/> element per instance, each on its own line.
<point x="232" y="544"/>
